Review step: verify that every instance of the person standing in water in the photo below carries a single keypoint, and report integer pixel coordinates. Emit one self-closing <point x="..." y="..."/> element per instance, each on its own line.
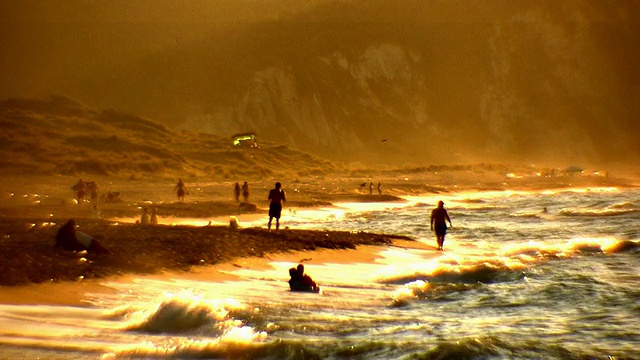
<point x="439" y="218"/>
<point x="181" y="188"/>
<point x="275" y="207"/>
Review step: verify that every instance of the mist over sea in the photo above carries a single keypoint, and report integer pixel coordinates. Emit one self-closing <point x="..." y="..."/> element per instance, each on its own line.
<point x="524" y="275"/>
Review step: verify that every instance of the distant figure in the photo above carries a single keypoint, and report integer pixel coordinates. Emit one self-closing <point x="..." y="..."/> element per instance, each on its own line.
<point x="111" y="196"/>
<point x="370" y="188"/>
<point x="363" y="185"/>
<point x="154" y="216"/>
<point x="81" y="190"/>
<point x="276" y="196"/>
<point x="145" y="219"/>
<point x="237" y="192"/>
<point x="233" y="223"/>
<point x="95" y="192"/>
<point x="245" y="191"/>
<point x="69" y="239"/>
<point x="379" y="188"/>
<point x="181" y="189"/>
<point x="439" y="216"/>
<point x="299" y="281"/>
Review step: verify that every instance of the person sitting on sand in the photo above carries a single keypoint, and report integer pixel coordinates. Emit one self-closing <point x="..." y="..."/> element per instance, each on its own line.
<point x="276" y="196"/>
<point x="69" y="239"/>
<point x="145" y="219"/>
<point x="439" y="217"/>
<point x="300" y="281"/>
<point x="181" y="189"/>
<point x="154" y="216"/>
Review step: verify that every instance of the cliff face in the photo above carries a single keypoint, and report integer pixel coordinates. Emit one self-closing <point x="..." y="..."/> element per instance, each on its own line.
<point x="524" y="81"/>
<point x="408" y="81"/>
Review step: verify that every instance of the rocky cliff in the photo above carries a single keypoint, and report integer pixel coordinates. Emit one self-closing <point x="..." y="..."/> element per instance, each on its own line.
<point x="396" y="82"/>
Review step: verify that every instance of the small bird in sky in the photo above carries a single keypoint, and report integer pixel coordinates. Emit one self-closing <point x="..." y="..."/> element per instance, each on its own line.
<point x="384" y="140"/>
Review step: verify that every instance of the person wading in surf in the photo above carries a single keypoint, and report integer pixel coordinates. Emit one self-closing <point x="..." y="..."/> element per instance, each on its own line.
<point x="439" y="218"/>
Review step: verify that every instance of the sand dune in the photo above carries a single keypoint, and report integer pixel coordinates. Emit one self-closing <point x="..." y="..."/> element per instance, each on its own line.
<point x="62" y="136"/>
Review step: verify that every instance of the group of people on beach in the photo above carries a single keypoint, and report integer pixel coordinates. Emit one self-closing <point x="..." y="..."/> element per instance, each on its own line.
<point x="70" y="239"/>
<point x="147" y="219"/>
<point x="364" y="184"/>
<point x="438" y="220"/>
<point x="299" y="281"/>
<point x="244" y="190"/>
<point x="83" y="188"/>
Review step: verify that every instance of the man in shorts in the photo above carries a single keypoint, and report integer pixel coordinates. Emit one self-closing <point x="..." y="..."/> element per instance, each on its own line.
<point x="439" y="218"/>
<point x="275" y="207"/>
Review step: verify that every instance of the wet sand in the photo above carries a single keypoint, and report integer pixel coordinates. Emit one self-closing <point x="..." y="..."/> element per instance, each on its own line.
<point x="34" y="208"/>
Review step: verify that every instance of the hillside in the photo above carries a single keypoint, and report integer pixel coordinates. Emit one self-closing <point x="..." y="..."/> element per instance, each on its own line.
<point x="352" y="80"/>
<point x="62" y="136"/>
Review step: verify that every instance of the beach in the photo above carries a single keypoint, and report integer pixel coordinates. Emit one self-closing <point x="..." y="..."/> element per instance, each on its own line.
<point x="523" y="253"/>
<point x="34" y="209"/>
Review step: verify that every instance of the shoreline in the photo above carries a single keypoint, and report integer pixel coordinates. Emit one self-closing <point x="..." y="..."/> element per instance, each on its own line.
<point x="29" y="221"/>
<point x="28" y="254"/>
<point x="73" y="293"/>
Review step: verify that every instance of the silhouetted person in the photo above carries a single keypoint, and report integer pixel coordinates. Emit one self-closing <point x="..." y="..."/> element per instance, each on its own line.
<point x="379" y="188"/>
<point x="237" y="191"/>
<point x="276" y="196"/>
<point x="439" y="218"/>
<point x="181" y="189"/>
<point x="245" y="191"/>
<point x="145" y="219"/>
<point x="306" y="281"/>
<point x="294" y="279"/>
<point x="370" y="188"/>
<point x="154" y="216"/>
<point x="299" y="281"/>
<point x="95" y="192"/>
<point x="69" y="239"/>
<point x="81" y="190"/>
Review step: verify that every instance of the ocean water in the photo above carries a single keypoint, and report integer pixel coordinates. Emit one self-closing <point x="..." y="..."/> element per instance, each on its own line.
<point x="524" y="275"/>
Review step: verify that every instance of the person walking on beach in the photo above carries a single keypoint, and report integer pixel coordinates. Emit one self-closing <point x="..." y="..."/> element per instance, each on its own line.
<point x="181" y="188"/>
<point x="81" y="189"/>
<point x="237" y="192"/>
<point x="245" y="191"/>
<point x="275" y="207"/>
<point x="95" y="193"/>
<point x="379" y="188"/>
<point x="439" y="218"/>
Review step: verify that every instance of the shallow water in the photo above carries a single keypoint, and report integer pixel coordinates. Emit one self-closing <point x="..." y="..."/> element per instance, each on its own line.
<point x="515" y="281"/>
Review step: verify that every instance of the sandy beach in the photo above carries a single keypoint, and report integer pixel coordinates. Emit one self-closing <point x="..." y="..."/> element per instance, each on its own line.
<point x="34" y="208"/>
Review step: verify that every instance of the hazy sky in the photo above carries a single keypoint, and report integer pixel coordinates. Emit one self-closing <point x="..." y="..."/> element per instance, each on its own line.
<point x="456" y="80"/>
